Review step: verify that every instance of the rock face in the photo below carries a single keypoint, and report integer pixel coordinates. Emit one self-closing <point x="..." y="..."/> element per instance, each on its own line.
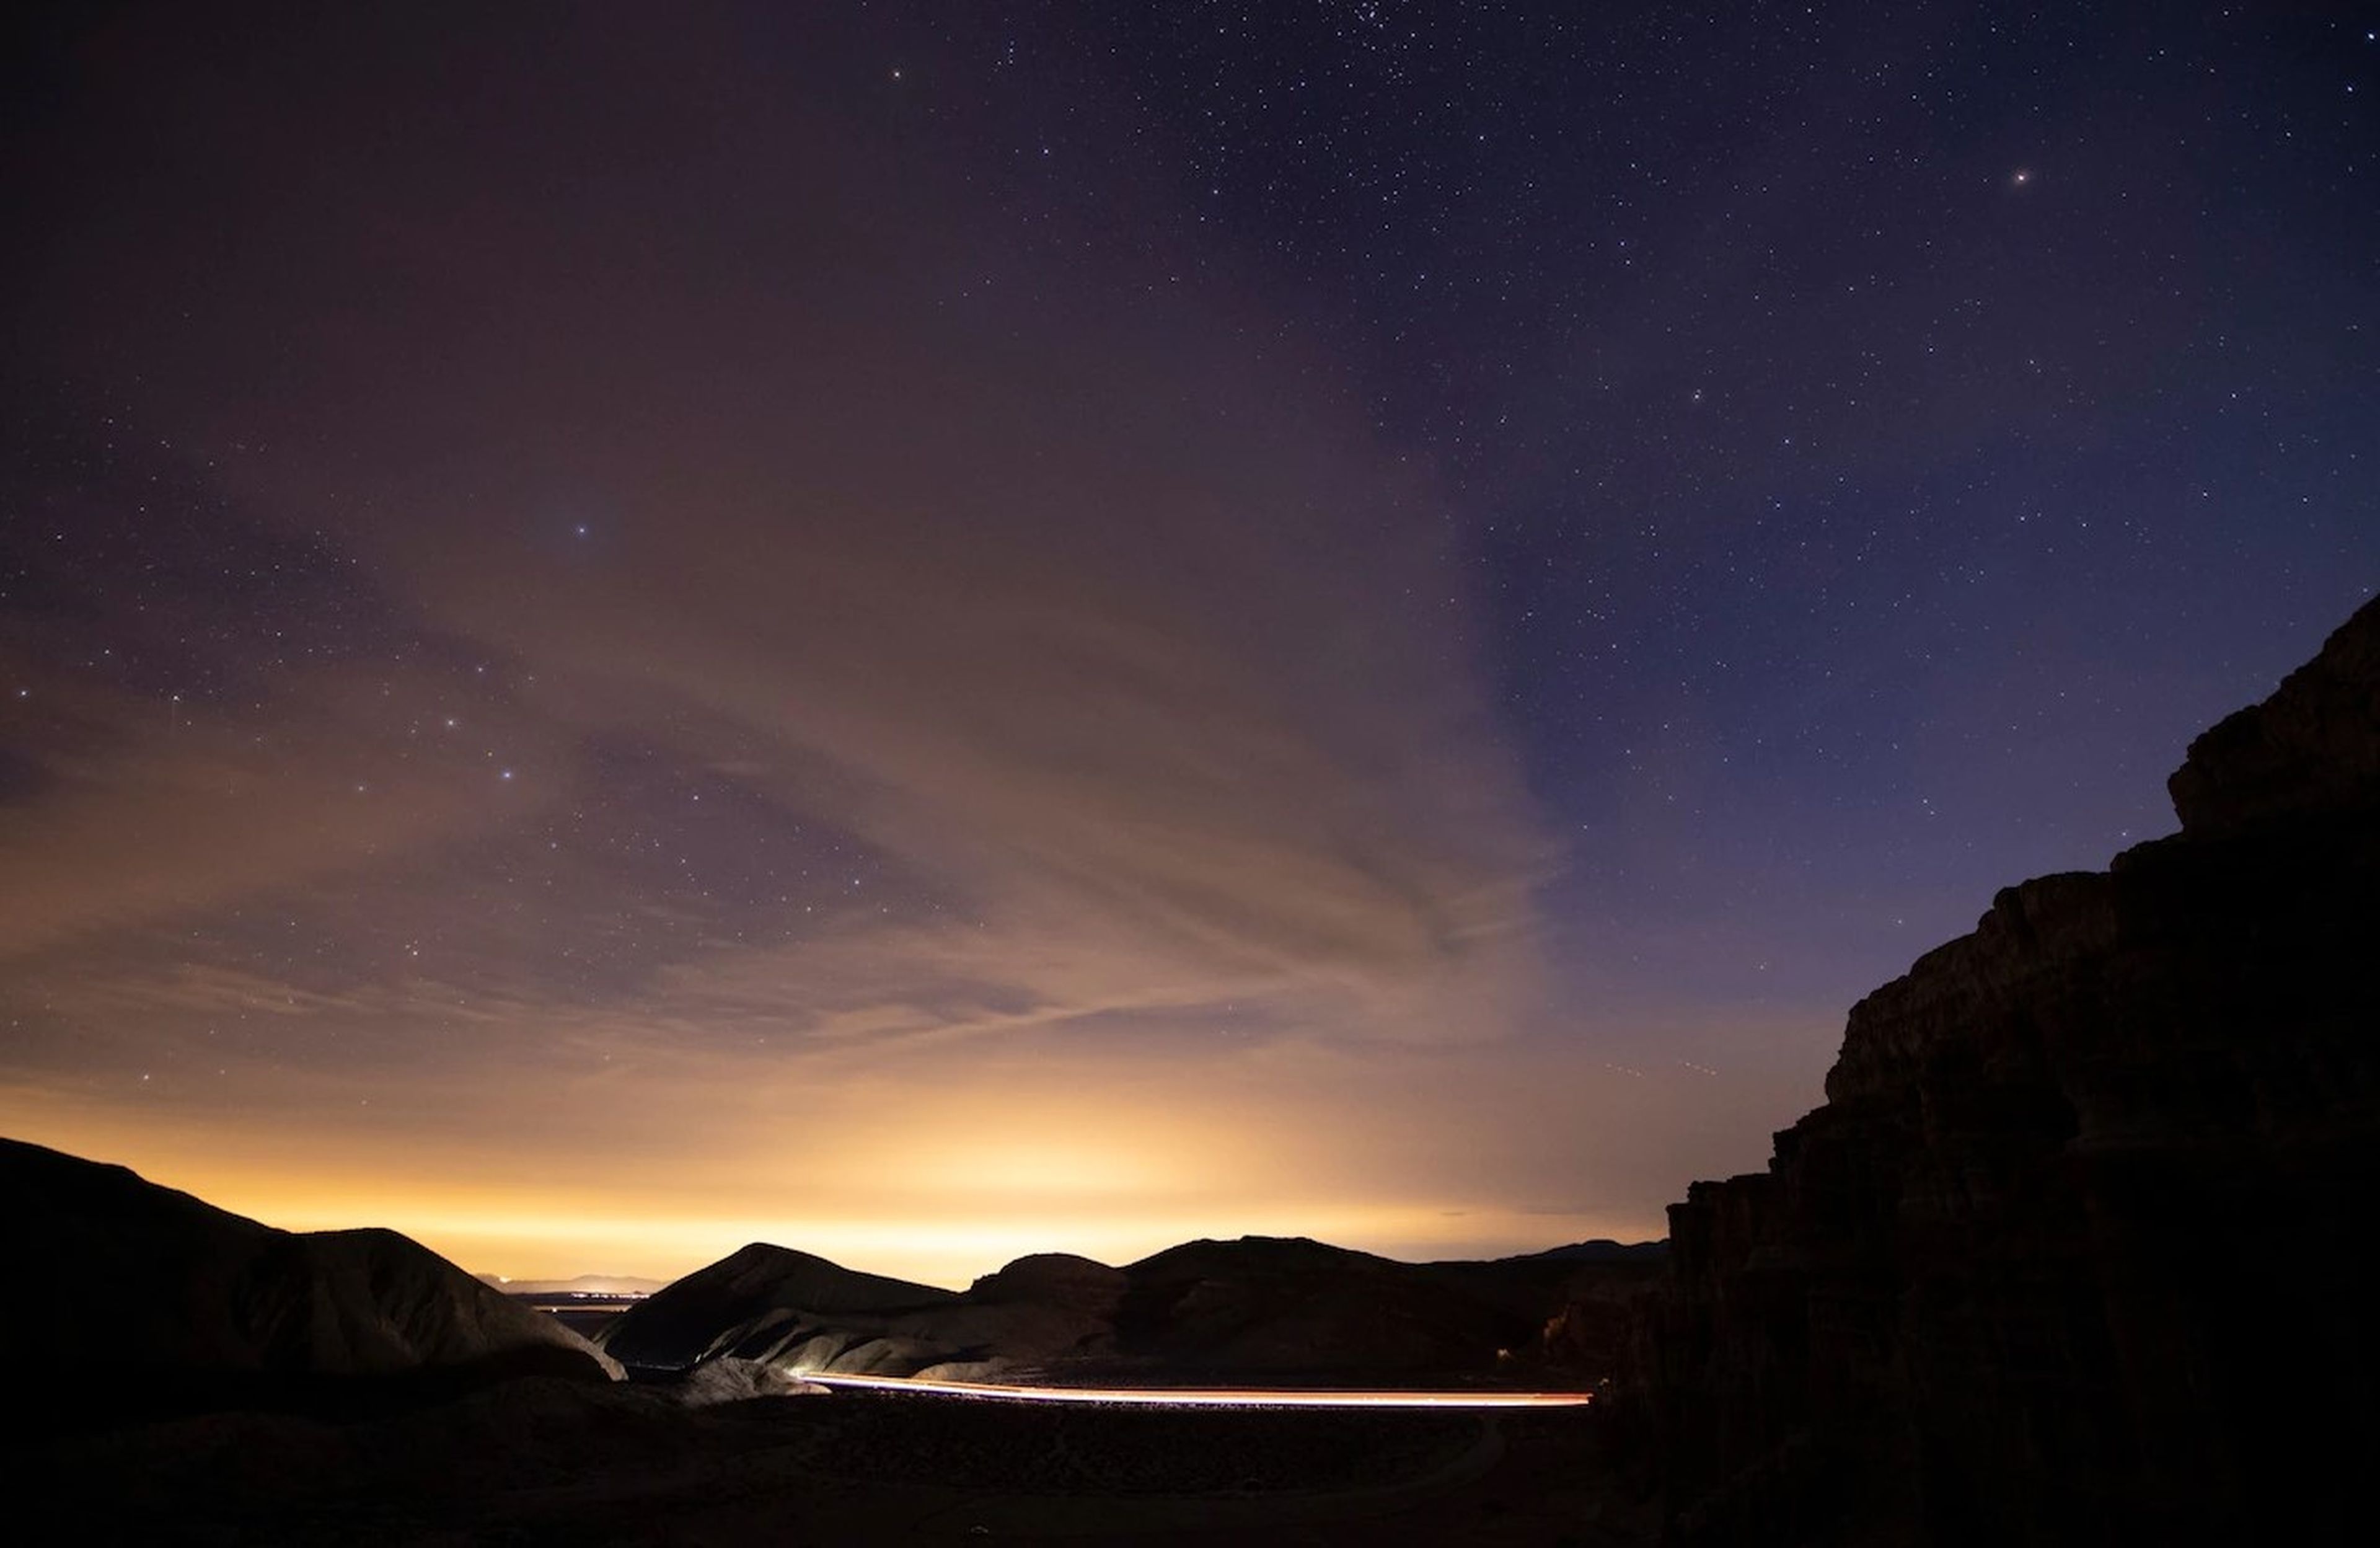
<point x="2066" y="1255"/>
<point x="116" y="1279"/>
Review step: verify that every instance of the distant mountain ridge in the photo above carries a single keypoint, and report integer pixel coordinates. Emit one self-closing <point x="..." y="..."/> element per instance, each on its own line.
<point x="1602" y="1250"/>
<point x="1249" y="1307"/>
<point x="580" y="1284"/>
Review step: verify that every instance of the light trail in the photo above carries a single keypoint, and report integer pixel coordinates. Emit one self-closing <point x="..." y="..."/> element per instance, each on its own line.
<point x="1203" y="1398"/>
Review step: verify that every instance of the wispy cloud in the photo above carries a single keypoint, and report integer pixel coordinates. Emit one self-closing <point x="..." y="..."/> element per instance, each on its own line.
<point x="874" y="701"/>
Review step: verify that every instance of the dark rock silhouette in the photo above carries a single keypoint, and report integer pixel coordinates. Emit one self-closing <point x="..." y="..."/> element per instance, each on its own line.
<point x="121" y="1284"/>
<point x="1264" y="1304"/>
<point x="1273" y="1303"/>
<point x="2066" y="1255"/>
<point x="1600" y="1250"/>
<point x="1252" y="1309"/>
<point x="1056" y="1279"/>
<point x="775" y="1305"/>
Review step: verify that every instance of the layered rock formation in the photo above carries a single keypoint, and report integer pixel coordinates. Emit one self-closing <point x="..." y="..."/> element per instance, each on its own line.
<point x="119" y="1285"/>
<point x="2066" y="1255"/>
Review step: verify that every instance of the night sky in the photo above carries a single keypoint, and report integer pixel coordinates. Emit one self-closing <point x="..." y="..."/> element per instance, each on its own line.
<point x="934" y="630"/>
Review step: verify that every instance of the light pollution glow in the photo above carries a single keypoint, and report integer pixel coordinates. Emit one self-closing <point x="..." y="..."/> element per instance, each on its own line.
<point x="875" y="743"/>
<point x="941" y="1188"/>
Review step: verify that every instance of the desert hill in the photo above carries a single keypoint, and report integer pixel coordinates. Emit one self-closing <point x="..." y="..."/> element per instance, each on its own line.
<point x="1257" y="1308"/>
<point x="121" y="1278"/>
<point x="773" y="1304"/>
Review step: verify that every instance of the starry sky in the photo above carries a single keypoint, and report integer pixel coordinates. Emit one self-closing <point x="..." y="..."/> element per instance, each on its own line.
<point x="931" y="631"/>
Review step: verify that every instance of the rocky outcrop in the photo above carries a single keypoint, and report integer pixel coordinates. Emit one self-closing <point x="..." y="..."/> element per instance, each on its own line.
<point x="2066" y="1255"/>
<point x="118" y="1284"/>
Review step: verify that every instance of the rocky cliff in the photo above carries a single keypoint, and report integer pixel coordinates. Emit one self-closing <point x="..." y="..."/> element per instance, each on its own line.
<point x="2066" y="1256"/>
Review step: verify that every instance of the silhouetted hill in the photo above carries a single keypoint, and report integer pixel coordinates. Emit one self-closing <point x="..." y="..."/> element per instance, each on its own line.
<point x="772" y="1304"/>
<point x="2071" y="1254"/>
<point x="120" y="1281"/>
<point x="1056" y="1279"/>
<point x="1289" y="1304"/>
<point x="1257" y="1308"/>
<point x="1600" y="1250"/>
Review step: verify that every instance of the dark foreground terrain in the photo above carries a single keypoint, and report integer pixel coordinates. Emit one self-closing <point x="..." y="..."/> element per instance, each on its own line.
<point x="201" y="1378"/>
<point x="549" y="1461"/>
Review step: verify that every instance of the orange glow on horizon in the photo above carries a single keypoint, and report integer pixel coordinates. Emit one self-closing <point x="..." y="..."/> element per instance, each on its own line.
<point x="942" y="1164"/>
<point x="938" y="1213"/>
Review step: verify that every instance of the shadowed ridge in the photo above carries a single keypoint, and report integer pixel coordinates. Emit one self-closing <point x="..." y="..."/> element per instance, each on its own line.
<point x="1602" y="1250"/>
<point x="1290" y="1304"/>
<point x="60" y="1192"/>
<point x="750" y="1303"/>
<point x="1053" y="1278"/>
<point x="118" y="1276"/>
<point x="789" y="1277"/>
<point x="1253" y="1254"/>
<point x="1263" y="1308"/>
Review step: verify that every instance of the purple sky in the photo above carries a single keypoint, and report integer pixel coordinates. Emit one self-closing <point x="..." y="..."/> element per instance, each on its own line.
<point x="931" y="632"/>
